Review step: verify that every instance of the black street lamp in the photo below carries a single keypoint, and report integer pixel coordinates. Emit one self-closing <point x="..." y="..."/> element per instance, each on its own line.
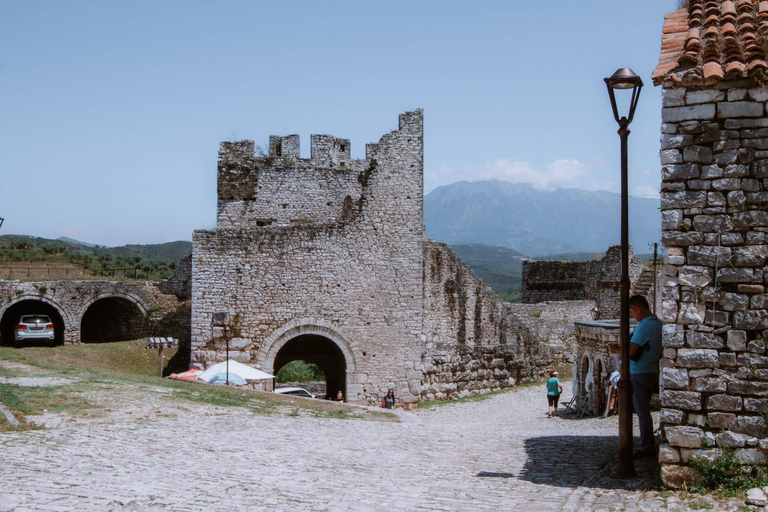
<point x="1" y="221"/>
<point x="226" y="339"/>
<point x="624" y="78"/>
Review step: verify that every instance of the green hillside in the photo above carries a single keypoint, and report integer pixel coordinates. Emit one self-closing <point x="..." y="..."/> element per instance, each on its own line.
<point x="154" y="261"/>
<point x="500" y="268"/>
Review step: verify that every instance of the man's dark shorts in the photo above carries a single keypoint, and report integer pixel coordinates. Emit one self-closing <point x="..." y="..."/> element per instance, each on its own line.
<point x="552" y="399"/>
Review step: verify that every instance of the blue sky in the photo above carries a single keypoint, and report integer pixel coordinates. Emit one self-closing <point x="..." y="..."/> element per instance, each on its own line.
<point x="111" y="113"/>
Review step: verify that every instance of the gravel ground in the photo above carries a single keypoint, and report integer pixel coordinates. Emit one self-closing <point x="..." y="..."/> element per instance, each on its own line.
<point x="502" y="453"/>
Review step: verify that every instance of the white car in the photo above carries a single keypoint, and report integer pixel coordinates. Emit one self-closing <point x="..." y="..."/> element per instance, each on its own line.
<point x="34" y="327"/>
<point x="295" y="392"/>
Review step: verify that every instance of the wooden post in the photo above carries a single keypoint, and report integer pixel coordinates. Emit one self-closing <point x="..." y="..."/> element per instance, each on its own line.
<point x="160" y="361"/>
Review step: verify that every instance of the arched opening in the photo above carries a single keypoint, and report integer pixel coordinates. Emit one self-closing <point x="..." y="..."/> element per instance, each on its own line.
<point x="320" y="351"/>
<point x="585" y="385"/>
<point x="112" y="319"/>
<point x="599" y="386"/>
<point x="14" y="313"/>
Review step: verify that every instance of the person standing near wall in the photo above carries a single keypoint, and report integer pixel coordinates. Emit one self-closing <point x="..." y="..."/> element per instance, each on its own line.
<point x="644" y="352"/>
<point x="554" y="389"/>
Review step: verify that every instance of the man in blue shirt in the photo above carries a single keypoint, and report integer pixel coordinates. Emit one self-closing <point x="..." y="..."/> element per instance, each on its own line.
<point x="644" y="353"/>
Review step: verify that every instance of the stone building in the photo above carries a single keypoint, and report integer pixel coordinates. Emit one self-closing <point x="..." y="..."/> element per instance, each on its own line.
<point x="325" y="260"/>
<point x="714" y="193"/>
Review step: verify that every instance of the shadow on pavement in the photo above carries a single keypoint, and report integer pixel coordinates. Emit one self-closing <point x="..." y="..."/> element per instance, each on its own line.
<point x="586" y="461"/>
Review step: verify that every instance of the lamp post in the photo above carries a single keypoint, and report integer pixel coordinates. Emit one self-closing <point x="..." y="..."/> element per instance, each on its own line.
<point x="226" y="339"/>
<point x="1" y="221"/>
<point x="624" y="78"/>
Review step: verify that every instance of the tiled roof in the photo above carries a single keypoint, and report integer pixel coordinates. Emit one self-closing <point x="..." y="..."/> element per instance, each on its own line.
<point x="713" y="39"/>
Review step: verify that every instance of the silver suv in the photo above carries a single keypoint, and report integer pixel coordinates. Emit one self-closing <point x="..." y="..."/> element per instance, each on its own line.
<point x="34" y="327"/>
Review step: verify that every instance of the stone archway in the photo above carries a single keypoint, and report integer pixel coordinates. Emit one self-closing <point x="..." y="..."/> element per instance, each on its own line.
<point x="31" y="305"/>
<point x="317" y="344"/>
<point x="112" y="318"/>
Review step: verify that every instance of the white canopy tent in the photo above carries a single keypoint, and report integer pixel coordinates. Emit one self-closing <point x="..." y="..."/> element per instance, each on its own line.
<point x="235" y="368"/>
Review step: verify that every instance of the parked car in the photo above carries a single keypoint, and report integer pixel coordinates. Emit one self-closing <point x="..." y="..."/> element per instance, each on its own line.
<point x="295" y="392"/>
<point x="34" y="327"/>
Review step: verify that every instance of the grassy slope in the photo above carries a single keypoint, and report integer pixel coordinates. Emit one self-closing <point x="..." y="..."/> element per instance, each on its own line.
<point x="128" y="367"/>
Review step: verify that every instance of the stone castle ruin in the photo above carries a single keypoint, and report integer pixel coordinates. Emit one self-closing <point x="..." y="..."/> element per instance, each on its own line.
<point x="325" y="260"/>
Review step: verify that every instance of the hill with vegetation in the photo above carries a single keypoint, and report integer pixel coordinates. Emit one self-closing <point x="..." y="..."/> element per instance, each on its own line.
<point x="152" y="262"/>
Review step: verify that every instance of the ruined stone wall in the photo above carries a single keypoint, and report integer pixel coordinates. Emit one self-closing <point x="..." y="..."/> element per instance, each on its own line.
<point x="597" y="280"/>
<point x="474" y="342"/>
<point x="351" y="271"/>
<point x="180" y="283"/>
<point x="714" y="156"/>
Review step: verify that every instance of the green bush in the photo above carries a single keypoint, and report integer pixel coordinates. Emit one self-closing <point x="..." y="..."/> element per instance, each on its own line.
<point x="299" y="371"/>
<point x="726" y="473"/>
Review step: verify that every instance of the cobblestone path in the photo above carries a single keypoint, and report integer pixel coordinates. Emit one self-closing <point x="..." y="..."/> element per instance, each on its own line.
<point x="498" y="454"/>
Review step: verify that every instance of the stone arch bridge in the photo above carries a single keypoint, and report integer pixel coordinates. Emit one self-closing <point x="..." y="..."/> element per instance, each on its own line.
<point x="95" y="311"/>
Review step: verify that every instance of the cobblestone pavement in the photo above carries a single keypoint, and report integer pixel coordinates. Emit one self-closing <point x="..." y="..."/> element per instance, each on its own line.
<point x="499" y="454"/>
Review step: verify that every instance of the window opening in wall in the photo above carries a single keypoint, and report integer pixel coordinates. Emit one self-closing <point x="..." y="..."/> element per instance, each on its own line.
<point x="342" y="148"/>
<point x="279" y="149"/>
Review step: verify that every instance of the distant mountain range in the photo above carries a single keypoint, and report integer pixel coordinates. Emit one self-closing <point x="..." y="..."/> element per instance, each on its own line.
<point x="537" y="222"/>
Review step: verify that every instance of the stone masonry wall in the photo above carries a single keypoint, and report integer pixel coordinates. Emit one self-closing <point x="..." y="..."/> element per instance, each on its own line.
<point x="350" y="270"/>
<point x="597" y="280"/>
<point x="475" y="342"/>
<point x="151" y="312"/>
<point x="714" y="194"/>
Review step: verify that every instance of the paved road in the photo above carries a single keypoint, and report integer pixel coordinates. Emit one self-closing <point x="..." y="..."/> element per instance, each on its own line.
<point x="495" y="455"/>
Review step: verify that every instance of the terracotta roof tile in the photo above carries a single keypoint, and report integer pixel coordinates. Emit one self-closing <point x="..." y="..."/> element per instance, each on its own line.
<point x="713" y="39"/>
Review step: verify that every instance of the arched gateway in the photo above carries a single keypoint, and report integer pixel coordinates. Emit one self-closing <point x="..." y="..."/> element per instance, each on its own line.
<point x="315" y="344"/>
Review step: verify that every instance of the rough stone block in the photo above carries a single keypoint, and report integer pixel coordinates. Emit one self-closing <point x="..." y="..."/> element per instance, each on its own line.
<point x="748" y="388"/>
<point x="674" y="476"/>
<point x="727" y="360"/>
<point x="691" y="313"/>
<point x="703" y="340"/>
<point x="703" y="111"/>
<point x="705" y="255"/>
<point x="702" y="96"/>
<point x="672" y="337"/>
<point x="760" y="169"/>
<point x="737" y="340"/>
<point x="709" y="172"/>
<point x="682" y="200"/>
<point x="759" y="301"/>
<point x="697" y="154"/>
<point x="736" y="171"/>
<point x="709" y="385"/>
<point x="674" y="378"/>
<point x="723" y="420"/>
<point x="739" y="109"/>
<point x="757" y="405"/>
<point x="681" y="239"/>
<point x="730" y="440"/>
<point x="695" y="276"/>
<point x="751" y="320"/>
<point x="684" y="437"/>
<point x="750" y="256"/>
<point x="676" y="141"/>
<point x="738" y="275"/>
<point x="749" y="455"/>
<point x="756" y="346"/>
<point x="726" y="184"/>
<point x="753" y="426"/>
<point x="724" y="403"/>
<point x="697" y="358"/>
<point x="674" y="97"/>
<point x="670" y="417"/>
<point x="671" y="156"/>
<point x="751" y="218"/>
<point x="668" y="454"/>
<point x="734" y="301"/>
<point x="687" y="400"/>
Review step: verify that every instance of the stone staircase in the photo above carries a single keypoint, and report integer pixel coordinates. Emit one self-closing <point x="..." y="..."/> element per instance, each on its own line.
<point x="644" y="285"/>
